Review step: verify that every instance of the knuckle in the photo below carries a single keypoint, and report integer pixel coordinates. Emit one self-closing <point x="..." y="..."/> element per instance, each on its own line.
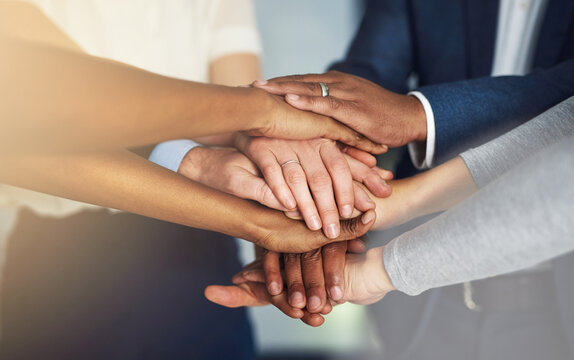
<point x="334" y="277"/>
<point x="295" y="177"/>
<point x="330" y="212"/>
<point x="311" y="256"/>
<point x="290" y="258"/>
<point x="259" y="145"/>
<point x="335" y="248"/>
<point x="314" y="284"/>
<point x="264" y="193"/>
<point x="271" y="273"/>
<point x="334" y="103"/>
<point x="311" y="87"/>
<point x="295" y="285"/>
<point x="320" y="179"/>
<point x="270" y="169"/>
<point x="341" y="167"/>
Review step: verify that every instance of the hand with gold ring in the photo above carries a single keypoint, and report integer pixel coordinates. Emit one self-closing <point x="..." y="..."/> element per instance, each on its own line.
<point x="381" y="115"/>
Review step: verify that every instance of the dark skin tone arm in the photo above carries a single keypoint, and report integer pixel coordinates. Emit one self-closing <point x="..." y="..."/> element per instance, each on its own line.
<point x="89" y="103"/>
<point x="123" y="180"/>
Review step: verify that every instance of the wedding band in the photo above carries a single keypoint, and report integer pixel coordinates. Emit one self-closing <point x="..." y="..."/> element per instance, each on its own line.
<point x="290" y="162"/>
<point x="324" y="89"/>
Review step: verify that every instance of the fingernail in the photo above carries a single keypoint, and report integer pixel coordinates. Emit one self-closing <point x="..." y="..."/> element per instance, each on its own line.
<point x="368" y="217"/>
<point x="314" y="303"/>
<point x="296" y="300"/>
<point x="314" y="222"/>
<point x="290" y="202"/>
<point x="347" y="211"/>
<point x="292" y="97"/>
<point x="274" y="288"/>
<point x="244" y="86"/>
<point x="260" y="82"/>
<point x="332" y="231"/>
<point x="336" y="293"/>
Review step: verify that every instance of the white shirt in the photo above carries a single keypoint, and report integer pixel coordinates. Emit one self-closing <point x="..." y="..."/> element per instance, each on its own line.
<point x="517" y="32"/>
<point x="177" y="38"/>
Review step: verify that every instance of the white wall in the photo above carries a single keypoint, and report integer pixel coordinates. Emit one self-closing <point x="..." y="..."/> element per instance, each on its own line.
<point x="303" y="36"/>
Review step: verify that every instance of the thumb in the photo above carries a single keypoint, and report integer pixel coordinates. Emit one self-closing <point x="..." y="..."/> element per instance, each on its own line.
<point x="248" y="294"/>
<point x="255" y="188"/>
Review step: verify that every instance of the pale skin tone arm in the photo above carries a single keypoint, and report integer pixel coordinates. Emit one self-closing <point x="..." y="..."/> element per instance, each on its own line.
<point x="83" y="102"/>
<point x="435" y="190"/>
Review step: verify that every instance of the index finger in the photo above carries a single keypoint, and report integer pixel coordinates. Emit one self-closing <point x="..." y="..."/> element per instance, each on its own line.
<point x="272" y="270"/>
<point x="334" y="267"/>
<point x="334" y="130"/>
<point x="329" y="76"/>
<point x="314" y="280"/>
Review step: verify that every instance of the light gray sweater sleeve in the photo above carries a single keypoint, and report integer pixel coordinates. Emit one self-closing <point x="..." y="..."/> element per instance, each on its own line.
<point x="489" y="161"/>
<point x="524" y="217"/>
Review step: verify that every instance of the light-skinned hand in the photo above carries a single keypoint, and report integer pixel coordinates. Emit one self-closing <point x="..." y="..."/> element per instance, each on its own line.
<point x="315" y="177"/>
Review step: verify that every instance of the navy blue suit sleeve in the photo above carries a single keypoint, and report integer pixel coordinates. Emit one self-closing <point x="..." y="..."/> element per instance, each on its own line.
<point x="471" y="112"/>
<point x="382" y="49"/>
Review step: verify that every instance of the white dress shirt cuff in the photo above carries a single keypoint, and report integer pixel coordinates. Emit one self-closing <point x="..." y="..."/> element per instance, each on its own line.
<point x="423" y="156"/>
<point x="170" y="154"/>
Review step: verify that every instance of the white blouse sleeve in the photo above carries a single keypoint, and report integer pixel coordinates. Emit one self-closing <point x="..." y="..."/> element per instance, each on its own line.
<point x="234" y="29"/>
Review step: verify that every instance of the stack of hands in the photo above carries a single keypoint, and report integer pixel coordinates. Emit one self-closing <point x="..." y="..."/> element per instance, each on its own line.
<point x="321" y="183"/>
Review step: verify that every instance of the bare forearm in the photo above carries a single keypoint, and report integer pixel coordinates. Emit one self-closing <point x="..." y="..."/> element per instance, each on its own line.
<point x="434" y="190"/>
<point x="23" y="21"/>
<point x="442" y="187"/>
<point x="83" y="101"/>
<point x="125" y="181"/>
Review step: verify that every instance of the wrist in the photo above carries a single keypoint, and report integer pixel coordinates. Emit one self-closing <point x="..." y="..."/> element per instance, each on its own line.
<point x="190" y="166"/>
<point x="383" y="281"/>
<point x="240" y="141"/>
<point x="261" y="106"/>
<point x="400" y="207"/>
<point x="416" y="118"/>
<point x="258" y="225"/>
